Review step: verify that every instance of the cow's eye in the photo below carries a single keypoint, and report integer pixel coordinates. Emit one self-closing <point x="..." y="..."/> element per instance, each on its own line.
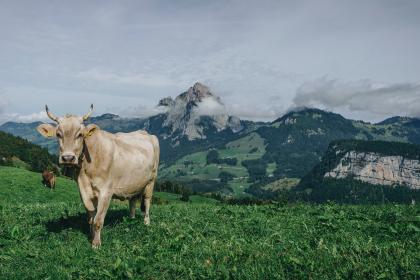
<point x="59" y="135"/>
<point x="80" y="135"/>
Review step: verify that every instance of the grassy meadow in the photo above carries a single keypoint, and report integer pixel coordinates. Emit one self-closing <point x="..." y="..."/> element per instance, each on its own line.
<point x="194" y="165"/>
<point x="43" y="235"/>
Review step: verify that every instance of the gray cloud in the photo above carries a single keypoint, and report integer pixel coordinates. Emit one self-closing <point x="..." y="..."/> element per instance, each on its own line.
<point x="139" y="111"/>
<point x="376" y="100"/>
<point x="130" y="54"/>
<point x="3" y="103"/>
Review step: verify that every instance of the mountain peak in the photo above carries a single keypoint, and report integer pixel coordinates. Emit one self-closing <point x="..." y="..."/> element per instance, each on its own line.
<point x="301" y="111"/>
<point x="194" y="95"/>
<point x="197" y="93"/>
<point x="185" y="114"/>
<point x="395" y="120"/>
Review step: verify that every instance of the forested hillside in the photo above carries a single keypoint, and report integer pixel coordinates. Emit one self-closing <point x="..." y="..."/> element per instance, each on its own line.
<point x="17" y="151"/>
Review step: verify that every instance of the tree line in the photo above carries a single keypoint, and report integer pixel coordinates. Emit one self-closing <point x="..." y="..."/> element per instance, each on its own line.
<point x="38" y="159"/>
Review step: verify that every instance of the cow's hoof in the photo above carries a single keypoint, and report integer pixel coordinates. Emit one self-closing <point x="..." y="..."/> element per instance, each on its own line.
<point x="96" y="244"/>
<point x="147" y="221"/>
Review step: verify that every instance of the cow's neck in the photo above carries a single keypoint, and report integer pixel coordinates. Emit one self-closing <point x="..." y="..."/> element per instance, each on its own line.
<point x="94" y="150"/>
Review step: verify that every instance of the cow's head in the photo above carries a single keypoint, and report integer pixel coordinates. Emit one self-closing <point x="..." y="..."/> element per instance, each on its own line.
<point x="70" y="132"/>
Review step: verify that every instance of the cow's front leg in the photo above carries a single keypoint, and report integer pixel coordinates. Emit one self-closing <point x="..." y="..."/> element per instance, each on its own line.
<point x="89" y="201"/>
<point x="103" y="203"/>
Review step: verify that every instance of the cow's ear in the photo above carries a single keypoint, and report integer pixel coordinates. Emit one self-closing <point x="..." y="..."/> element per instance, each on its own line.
<point x="47" y="130"/>
<point x="90" y="129"/>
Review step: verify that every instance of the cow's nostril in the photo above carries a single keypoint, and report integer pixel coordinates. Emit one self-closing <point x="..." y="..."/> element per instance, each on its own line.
<point x="68" y="158"/>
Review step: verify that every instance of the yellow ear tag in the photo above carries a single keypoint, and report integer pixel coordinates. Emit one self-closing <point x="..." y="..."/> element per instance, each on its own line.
<point x="50" y="133"/>
<point x="90" y="133"/>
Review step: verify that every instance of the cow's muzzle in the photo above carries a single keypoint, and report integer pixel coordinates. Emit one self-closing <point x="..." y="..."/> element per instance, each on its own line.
<point x="68" y="159"/>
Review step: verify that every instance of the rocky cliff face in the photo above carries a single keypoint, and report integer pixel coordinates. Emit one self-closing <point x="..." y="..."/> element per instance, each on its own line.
<point x="374" y="168"/>
<point x="196" y="110"/>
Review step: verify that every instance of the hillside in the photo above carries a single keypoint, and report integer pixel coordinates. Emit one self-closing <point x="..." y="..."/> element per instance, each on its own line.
<point x="44" y="235"/>
<point x="365" y="171"/>
<point x="284" y="150"/>
<point x="16" y="151"/>
<point x="28" y="131"/>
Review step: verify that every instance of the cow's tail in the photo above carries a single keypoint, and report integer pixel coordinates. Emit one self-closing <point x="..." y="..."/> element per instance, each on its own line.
<point x="156" y="150"/>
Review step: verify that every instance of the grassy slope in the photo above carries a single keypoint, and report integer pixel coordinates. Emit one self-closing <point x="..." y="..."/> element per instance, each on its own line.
<point x="198" y="169"/>
<point x="45" y="236"/>
<point x="19" y="186"/>
<point x="282" y="184"/>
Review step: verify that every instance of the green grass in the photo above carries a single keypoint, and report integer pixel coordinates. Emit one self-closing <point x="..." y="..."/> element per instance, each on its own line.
<point x="17" y="162"/>
<point x="19" y="186"/>
<point x="199" y="169"/>
<point x="271" y="167"/>
<point x="239" y="186"/>
<point x="373" y="130"/>
<point x="247" y="143"/>
<point x="43" y="235"/>
<point x="175" y="198"/>
<point x="249" y="147"/>
<point x="282" y="184"/>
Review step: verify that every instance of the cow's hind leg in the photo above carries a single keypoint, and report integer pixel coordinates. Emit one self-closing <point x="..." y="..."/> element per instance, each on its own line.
<point x="133" y="202"/>
<point x="146" y="201"/>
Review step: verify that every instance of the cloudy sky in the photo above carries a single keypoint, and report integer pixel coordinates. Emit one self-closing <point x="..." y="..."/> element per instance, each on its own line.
<point x="262" y="57"/>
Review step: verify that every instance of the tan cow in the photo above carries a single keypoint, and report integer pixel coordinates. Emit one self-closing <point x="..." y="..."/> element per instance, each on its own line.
<point x="121" y="165"/>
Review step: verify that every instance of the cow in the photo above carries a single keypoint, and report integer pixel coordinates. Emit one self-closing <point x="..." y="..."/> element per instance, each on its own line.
<point x="121" y="165"/>
<point x="48" y="179"/>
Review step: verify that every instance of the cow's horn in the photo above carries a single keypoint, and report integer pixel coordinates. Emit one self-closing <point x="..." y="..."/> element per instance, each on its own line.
<point x="85" y="117"/>
<point x="51" y="115"/>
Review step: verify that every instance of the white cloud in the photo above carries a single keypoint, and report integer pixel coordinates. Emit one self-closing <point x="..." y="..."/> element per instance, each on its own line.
<point x="140" y="111"/>
<point x="210" y="106"/>
<point x="377" y="100"/>
<point x="263" y="112"/>
<point x="15" y="117"/>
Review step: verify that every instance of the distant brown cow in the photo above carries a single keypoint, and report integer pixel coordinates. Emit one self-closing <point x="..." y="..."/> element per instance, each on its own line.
<point x="48" y="179"/>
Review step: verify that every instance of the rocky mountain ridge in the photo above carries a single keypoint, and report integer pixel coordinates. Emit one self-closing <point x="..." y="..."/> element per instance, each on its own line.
<point x="360" y="171"/>
<point x="377" y="169"/>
